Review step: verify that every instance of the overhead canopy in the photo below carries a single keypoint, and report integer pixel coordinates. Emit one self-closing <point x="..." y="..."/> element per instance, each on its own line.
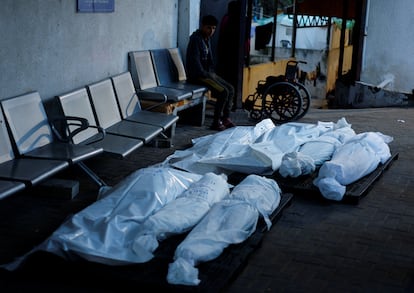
<point x="325" y="8"/>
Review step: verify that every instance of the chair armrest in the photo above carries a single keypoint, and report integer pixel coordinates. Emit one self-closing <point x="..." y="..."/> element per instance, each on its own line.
<point x="64" y="123"/>
<point x="101" y="132"/>
<point x="60" y="127"/>
<point x="153" y="97"/>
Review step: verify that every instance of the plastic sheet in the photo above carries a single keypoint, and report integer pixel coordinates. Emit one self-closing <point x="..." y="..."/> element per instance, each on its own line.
<point x="295" y="164"/>
<point x="222" y="152"/>
<point x="314" y="152"/>
<point x="321" y="149"/>
<point x="102" y="231"/>
<point x="230" y="221"/>
<point x="247" y="149"/>
<point x="180" y="215"/>
<point x="356" y="158"/>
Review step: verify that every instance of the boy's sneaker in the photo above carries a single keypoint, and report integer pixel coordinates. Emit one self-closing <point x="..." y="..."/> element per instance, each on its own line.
<point x="228" y="123"/>
<point x="218" y="126"/>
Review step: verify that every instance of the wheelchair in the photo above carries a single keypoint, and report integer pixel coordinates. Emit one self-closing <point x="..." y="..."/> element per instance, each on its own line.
<point x="281" y="98"/>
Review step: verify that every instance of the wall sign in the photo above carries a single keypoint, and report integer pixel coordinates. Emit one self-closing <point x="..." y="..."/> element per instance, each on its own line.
<point x="96" y="5"/>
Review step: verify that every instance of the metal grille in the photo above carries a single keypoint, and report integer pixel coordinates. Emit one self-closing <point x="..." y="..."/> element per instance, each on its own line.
<point x="311" y="21"/>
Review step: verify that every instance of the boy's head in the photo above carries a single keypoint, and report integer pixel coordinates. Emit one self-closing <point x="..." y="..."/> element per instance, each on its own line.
<point x="209" y="20"/>
<point x="208" y="25"/>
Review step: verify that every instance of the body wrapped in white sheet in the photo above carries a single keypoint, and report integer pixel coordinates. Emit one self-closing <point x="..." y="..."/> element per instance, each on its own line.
<point x="358" y="157"/>
<point x="313" y="153"/>
<point x="250" y="149"/>
<point x="102" y="232"/>
<point x="223" y="152"/>
<point x="230" y="221"/>
<point x="182" y="214"/>
<point x="295" y="164"/>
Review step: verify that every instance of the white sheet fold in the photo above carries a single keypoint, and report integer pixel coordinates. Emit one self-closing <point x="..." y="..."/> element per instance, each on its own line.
<point x="229" y="221"/>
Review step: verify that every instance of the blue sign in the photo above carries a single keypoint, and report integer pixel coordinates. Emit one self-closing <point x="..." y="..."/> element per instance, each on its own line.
<point x="96" y="5"/>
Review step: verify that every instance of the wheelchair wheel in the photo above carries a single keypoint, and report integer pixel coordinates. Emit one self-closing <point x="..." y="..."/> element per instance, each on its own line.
<point x="256" y="115"/>
<point x="282" y="102"/>
<point x="306" y="100"/>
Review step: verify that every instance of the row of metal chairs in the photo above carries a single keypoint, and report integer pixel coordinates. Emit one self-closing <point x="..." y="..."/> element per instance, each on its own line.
<point x="29" y="151"/>
<point x="100" y="118"/>
<point x="162" y="71"/>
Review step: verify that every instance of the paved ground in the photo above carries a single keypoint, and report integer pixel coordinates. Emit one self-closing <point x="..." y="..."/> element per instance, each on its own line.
<point x="332" y="247"/>
<point x="315" y="246"/>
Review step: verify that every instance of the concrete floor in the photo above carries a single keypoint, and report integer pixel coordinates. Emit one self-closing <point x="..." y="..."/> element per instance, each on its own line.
<point x="332" y="247"/>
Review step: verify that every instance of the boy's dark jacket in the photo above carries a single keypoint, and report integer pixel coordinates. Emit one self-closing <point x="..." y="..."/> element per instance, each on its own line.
<point x="199" y="60"/>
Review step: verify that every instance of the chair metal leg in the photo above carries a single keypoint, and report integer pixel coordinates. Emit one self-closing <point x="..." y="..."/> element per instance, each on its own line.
<point x="92" y="174"/>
